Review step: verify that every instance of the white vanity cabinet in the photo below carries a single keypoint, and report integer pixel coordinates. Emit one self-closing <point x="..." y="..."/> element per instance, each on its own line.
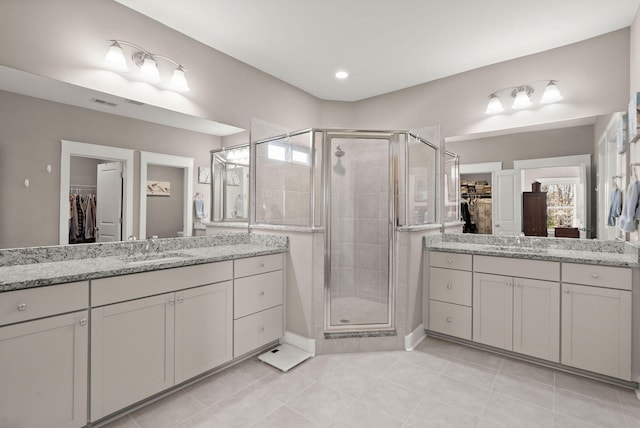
<point x="43" y="350"/>
<point x="153" y="330"/>
<point x="516" y="305"/>
<point x="450" y="291"/>
<point x="596" y="319"/>
<point x="258" y="302"/>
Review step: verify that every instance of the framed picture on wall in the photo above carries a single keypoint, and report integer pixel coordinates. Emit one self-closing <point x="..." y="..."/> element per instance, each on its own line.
<point x="158" y="188"/>
<point x="204" y="175"/>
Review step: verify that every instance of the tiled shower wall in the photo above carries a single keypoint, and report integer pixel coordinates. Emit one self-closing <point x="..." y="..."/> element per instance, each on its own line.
<point x="359" y="220"/>
<point x="282" y="192"/>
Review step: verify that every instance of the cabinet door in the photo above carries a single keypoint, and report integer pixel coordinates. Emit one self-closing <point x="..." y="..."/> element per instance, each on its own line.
<point x="536" y="318"/>
<point x="493" y="310"/>
<point x="132" y="356"/>
<point x="43" y="375"/>
<point x="203" y="329"/>
<point x="596" y="330"/>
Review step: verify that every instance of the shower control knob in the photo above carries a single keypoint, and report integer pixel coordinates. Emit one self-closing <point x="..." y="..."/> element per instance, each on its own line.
<point x="449" y="319"/>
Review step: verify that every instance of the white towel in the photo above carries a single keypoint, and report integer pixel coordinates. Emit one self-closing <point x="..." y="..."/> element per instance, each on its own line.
<point x="199" y="203"/>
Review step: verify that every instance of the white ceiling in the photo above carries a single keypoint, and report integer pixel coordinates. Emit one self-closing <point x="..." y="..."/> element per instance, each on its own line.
<point x="385" y="45"/>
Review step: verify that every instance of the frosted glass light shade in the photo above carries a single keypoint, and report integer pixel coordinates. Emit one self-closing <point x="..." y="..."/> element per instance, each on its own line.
<point x="179" y="81"/>
<point x="551" y="94"/>
<point x="149" y="70"/>
<point x="115" y="58"/>
<point x="522" y="99"/>
<point x="494" y="106"/>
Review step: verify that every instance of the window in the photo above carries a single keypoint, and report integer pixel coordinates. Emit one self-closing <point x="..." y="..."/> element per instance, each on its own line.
<point x="561" y="204"/>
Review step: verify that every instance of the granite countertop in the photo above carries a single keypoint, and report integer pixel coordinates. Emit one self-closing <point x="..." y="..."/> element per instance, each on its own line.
<point x="605" y="253"/>
<point x="124" y="261"/>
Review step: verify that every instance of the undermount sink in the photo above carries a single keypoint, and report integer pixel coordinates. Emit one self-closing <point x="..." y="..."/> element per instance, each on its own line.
<point x="521" y="249"/>
<point x="141" y="258"/>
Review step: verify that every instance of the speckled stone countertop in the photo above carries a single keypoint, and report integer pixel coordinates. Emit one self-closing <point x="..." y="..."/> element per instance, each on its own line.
<point x="589" y="251"/>
<point x="40" y="266"/>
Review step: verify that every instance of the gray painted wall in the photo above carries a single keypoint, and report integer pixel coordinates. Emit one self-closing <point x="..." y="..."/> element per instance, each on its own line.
<point x="164" y="213"/>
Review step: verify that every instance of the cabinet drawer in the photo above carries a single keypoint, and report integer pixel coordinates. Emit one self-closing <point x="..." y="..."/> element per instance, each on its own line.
<point x="23" y="305"/>
<point x="257" y="265"/>
<point x="105" y="291"/>
<point x="450" y="260"/>
<point x="447" y="318"/>
<point x="601" y="276"/>
<point x="256" y="293"/>
<point x="256" y="330"/>
<point x="523" y="268"/>
<point x="448" y="285"/>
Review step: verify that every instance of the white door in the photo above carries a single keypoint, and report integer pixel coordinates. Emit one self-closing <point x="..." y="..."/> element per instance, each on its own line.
<point x="536" y="318"/>
<point x="132" y="358"/>
<point x="596" y="330"/>
<point x="44" y="372"/>
<point x="109" y="202"/>
<point x="493" y="310"/>
<point x="582" y="202"/>
<point x="506" y="203"/>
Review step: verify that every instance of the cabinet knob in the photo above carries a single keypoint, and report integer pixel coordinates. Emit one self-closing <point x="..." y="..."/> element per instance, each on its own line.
<point x="449" y="261"/>
<point x="261" y="330"/>
<point x="516" y="284"/>
<point x="172" y="301"/>
<point x="83" y="321"/>
<point x="449" y="286"/>
<point x="261" y="264"/>
<point x="595" y="275"/>
<point x="261" y="294"/>
<point x="22" y="306"/>
<point x="180" y="299"/>
<point x="449" y="319"/>
<point x="508" y="284"/>
<point x="565" y="290"/>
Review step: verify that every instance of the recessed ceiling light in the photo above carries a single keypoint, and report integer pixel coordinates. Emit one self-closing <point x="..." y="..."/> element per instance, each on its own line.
<point x="342" y="75"/>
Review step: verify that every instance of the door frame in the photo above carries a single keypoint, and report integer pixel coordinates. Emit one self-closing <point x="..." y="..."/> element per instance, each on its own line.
<point x="560" y="161"/>
<point x="94" y="151"/>
<point x="149" y="158"/>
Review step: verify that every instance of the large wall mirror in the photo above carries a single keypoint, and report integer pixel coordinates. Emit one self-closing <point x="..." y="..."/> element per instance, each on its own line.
<point x="496" y="170"/>
<point x="98" y="130"/>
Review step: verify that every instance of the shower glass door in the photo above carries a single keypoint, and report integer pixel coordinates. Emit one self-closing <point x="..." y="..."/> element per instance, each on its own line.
<point x="360" y="237"/>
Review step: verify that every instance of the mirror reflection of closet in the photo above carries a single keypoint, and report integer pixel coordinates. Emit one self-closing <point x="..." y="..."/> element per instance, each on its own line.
<point x="230" y="184"/>
<point x="89" y="180"/>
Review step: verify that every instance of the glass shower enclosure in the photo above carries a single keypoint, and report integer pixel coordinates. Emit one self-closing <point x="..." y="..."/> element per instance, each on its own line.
<point x="358" y="187"/>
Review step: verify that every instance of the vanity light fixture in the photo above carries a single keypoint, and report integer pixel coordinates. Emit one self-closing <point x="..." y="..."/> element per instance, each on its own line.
<point x="341" y="75"/>
<point x="522" y="96"/>
<point x="147" y="62"/>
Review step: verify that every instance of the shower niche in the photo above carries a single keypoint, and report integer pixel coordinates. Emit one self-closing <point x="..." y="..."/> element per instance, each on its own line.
<point x="356" y="189"/>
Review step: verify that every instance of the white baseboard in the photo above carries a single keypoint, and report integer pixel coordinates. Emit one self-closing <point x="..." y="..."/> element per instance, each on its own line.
<point x="412" y="339"/>
<point x="304" y="343"/>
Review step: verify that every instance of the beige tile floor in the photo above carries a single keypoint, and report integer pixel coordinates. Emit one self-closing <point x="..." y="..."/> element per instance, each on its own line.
<point x="440" y="384"/>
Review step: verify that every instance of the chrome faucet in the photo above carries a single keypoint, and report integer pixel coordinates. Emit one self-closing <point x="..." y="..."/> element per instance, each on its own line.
<point x="151" y="244"/>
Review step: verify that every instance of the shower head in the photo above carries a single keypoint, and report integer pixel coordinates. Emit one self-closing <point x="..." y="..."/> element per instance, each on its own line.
<point x="339" y="152"/>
